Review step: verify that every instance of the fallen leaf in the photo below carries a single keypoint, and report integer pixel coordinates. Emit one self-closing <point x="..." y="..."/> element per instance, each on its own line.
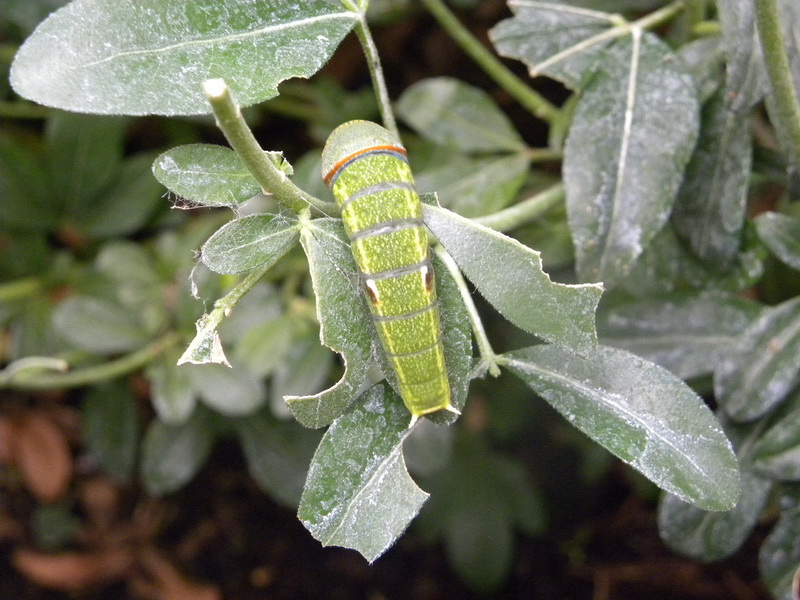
<point x="42" y="453"/>
<point x="71" y="571"/>
<point x="7" y="434"/>
<point x="167" y="583"/>
<point x="100" y="499"/>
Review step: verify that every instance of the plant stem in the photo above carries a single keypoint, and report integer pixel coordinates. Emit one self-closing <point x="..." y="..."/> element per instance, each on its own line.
<point x="521" y="92"/>
<point x="525" y="211"/>
<point x="787" y="109"/>
<point x="488" y="356"/>
<point x="662" y="15"/>
<point x="20" y="289"/>
<point x="95" y="374"/>
<point x="23" y="110"/>
<point x="696" y="11"/>
<point x="376" y="73"/>
<point x="240" y="137"/>
<point x="222" y="308"/>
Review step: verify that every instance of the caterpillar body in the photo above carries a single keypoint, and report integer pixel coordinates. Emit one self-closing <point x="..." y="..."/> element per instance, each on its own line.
<point x="366" y="168"/>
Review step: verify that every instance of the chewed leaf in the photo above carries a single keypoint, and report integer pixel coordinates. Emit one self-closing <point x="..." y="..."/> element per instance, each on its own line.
<point x="358" y="493"/>
<point x="509" y="275"/>
<point x="206" y="346"/>
<point x="640" y="412"/>
<point x="345" y="325"/>
<point x="152" y="56"/>
<point x="557" y="40"/>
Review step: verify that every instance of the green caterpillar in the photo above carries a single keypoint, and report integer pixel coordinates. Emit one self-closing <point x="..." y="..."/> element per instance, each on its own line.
<point x="366" y="168"/>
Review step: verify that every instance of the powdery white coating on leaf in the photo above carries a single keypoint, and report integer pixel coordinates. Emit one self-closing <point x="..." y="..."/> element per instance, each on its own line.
<point x="780" y="553"/>
<point x="358" y="493"/>
<point x="153" y="56"/>
<point x="205" y="174"/>
<point x="710" y="536"/>
<point x="557" y="40"/>
<point x="763" y="367"/>
<point x="709" y="213"/>
<point x="686" y="333"/>
<point x="206" y="346"/>
<point x="453" y="113"/>
<point x="345" y="324"/>
<point x="250" y="242"/>
<point x="746" y="80"/>
<point x="776" y="453"/>
<point x="633" y="132"/>
<point x="477" y="186"/>
<point x="781" y="234"/>
<point x="640" y="412"/>
<point x="510" y="276"/>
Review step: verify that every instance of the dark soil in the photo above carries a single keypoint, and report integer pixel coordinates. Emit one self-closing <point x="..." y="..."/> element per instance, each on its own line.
<point x="223" y="531"/>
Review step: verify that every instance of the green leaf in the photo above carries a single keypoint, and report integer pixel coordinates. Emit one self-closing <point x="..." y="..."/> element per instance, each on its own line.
<point x="457" y="342"/>
<point x="85" y="154"/>
<point x="558" y="40"/>
<point x="358" y="493"/>
<point x="746" y="75"/>
<point x="266" y="344"/>
<point x="477" y="502"/>
<point x="111" y="428"/>
<point x="453" y="113"/>
<point x="171" y="392"/>
<point x="781" y="234"/>
<point x="152" y="56"/>
<point x="705" y="62"/>
<point x="776" y="452"/>
<point x="173" y="454"/>
<point x="509" y="275"/>
<point x="710" y="209"/>
<point x="99" y="325"/>
<point x="277" y="454"/>
<point x="633" y="131"/>
<point x="54" y="525"/>
<point x="762" y="368"/>
<point x="27" y="204"/>
<point x="230" y="391"/>
<point x="250" y="242"/>
<point x="206" y="174"/>
<point x="475" y="187"/>
<point x="345" y="325"/>
<point x="303" y="371"/>
<point x="711" y="536"/>
<point x="686" y="333"/>
<point x="667" y="266"/>
<point x="641" y="413"/>
<point x="135" y="283"/>
<point x="126" y="206"/>
<point x="779" y="556"/>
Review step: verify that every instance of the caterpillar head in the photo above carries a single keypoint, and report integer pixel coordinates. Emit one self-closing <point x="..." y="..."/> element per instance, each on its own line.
<point x="352" y="138"/>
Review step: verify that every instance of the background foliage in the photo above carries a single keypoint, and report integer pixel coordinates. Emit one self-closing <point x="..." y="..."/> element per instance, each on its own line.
<point x="668" y="171"/>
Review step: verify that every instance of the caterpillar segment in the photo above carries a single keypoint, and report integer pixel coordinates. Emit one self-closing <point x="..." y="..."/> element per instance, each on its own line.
<point x="367" y="170"/>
